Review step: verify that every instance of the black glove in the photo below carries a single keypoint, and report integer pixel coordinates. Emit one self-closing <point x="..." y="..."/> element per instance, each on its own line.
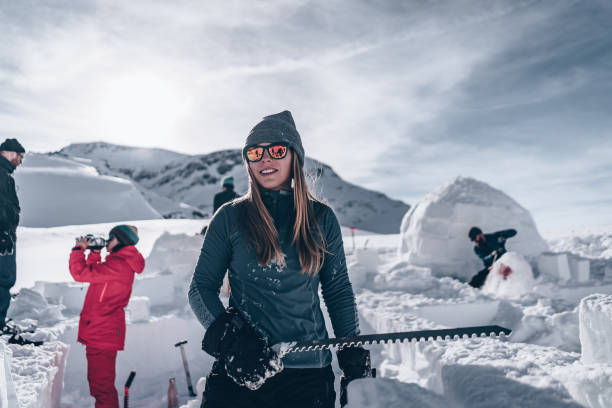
<point x="243" y="352"/>
<point x="7" y="245"/>
<point x="354" y="363"/>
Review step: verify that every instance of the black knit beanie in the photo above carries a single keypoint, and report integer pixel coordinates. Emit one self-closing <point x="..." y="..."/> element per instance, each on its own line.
<point x="474" y="232"/>
<point x="279" y="127"/>
<point x="11" y="145"/>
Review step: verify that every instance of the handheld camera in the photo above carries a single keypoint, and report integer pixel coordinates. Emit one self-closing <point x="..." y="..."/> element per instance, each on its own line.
<point x="96" y="243"/>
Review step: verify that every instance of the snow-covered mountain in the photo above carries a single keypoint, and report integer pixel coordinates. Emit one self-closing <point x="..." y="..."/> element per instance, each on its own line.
<point x="183" y="186"/>
<point x="54" y="191"/>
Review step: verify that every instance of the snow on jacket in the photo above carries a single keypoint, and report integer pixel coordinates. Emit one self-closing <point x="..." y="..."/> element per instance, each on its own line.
<point x="102" y="323"/>
<point x="281" y="302"/>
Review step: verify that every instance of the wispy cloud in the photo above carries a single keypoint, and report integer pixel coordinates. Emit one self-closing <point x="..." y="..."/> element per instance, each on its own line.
<point x="399" y="96"/>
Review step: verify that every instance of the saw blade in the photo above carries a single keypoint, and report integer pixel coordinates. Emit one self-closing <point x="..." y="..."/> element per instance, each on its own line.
<point x="412" y="336"/>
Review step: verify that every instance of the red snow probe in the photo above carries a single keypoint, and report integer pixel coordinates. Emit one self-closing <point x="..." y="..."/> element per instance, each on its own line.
<point x="126" y="389"/>
<point x="186" y="366"/>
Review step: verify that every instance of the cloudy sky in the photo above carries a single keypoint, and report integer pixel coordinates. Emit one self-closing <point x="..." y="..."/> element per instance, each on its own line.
<point x="398" y="96"/>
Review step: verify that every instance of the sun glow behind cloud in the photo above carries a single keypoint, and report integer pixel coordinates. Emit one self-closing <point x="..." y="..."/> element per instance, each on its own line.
<point x="396" y="96"/>
<point x="141" y="108"/>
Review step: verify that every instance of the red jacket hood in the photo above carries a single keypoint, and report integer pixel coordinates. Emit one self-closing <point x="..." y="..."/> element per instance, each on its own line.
<point x="133" y="258"/>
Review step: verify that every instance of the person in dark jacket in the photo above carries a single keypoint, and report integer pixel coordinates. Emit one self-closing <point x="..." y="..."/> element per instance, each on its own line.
<point x="228" y="193"/>
<point x="278" y="244"/>
<point x="102" y="323"/>
<point x="489" y="248"/>
<point x="11" y="156"/>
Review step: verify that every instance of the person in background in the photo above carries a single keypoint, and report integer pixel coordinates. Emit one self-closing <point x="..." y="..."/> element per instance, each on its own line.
<point x="280" y="245"/>
<point x="102" y="323"/>
<point x="228" y="193"/>
<point x="489" y="248"/>
<point x="11" y="157"/>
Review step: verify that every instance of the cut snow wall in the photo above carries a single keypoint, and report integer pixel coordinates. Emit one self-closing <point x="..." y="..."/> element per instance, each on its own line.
<point x="8" y="396"/>
<point x="595" y="314"/>
<point x="38" y="374"/>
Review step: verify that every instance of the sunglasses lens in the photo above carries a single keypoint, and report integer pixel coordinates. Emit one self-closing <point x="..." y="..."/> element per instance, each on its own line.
<point x="254" y="153"/>
<point x="277" y="151"/>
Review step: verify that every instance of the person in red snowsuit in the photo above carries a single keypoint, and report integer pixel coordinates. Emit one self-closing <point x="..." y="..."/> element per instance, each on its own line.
<point x="102" y="324"/>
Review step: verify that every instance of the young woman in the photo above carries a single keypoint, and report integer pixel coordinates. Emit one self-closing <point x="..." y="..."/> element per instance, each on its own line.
<point x="102" y="323"/>
<point x="278" y="244"/>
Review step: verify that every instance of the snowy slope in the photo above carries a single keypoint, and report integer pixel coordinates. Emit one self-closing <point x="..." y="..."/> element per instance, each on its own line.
<point x="190" y="183"/>
<point x="55" y="191"/>
<point x="540" y="365"/>
<point x="435" y="231"/>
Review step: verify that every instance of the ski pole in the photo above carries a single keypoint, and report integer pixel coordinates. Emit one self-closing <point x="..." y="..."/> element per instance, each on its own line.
<point x="181" y="344"/>
<point x="126" y="389"/>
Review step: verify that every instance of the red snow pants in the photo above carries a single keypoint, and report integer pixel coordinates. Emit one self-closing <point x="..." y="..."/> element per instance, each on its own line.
<point x="101" y="377"/>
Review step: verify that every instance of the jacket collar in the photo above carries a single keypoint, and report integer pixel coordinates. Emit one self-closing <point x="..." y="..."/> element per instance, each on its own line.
<point x="6" y="165"/>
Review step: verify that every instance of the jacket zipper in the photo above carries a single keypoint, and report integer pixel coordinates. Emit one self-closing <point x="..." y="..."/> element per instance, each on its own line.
<point x="103" y="291"/>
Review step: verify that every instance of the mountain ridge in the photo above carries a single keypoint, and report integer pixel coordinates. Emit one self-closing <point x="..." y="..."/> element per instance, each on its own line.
<point x="183" y="186"/>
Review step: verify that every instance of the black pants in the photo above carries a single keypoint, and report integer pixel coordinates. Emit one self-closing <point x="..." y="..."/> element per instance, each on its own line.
<point x="479" y="279"/>
<point x="292" y="387"/>
<point x="8" y="275"/>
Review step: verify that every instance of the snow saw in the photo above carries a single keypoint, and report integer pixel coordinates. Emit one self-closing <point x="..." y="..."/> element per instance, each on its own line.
<point x="411" y="336"/>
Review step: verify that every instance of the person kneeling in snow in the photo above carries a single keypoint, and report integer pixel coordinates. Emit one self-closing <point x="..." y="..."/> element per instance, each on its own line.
<point x="489" y="248"/>
<point x="102" y="323"/>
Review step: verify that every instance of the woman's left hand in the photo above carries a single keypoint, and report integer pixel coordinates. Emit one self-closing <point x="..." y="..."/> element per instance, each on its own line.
<point x="83" y="242"/>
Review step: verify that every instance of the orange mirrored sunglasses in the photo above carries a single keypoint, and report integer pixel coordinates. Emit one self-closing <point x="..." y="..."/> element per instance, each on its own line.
<point x="276" y="151"/>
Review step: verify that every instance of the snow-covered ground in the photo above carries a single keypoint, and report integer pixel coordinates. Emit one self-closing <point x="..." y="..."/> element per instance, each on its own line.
<point x="559" y="354"/>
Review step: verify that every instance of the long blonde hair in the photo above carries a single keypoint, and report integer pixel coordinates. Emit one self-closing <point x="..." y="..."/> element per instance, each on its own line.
<point x="258" y="225"/>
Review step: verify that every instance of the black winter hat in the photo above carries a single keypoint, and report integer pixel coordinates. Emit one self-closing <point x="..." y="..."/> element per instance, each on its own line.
<point x="474" y="232"/>
<point x="279" y="127"/>
<point x="12" y="145"/>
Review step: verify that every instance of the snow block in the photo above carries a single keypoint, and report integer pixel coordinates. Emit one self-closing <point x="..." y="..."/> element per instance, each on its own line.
<point x="364" y="268"/>
<point x="510" y="277"/>
<point x="590" y="385"/>
<point x="478" y="386"/>
<point x="388" y="393"/>
<point x="30" y="304"/>
<point x="608" y="273"/>
<point x="138" y="310"/>
<point x="69" y="294"/>
<point x="595" y="314"/>
<point x="580" y="269"/>
<point x="162" y="285"/>
<point x="555" y="266"/>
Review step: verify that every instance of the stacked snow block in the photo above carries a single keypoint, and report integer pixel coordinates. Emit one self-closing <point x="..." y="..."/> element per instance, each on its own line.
<point x="139" y="309"/>
<point x="564" y="267"/>
<point x="595" y="315"/>
<point x="69" y="294"/>
<point x="161" y="286"/>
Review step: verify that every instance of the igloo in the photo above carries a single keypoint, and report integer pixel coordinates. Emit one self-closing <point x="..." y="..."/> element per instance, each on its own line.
<point x="434" y="233"/>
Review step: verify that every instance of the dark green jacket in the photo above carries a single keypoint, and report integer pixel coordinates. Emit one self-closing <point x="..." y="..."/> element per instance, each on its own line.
<point x="493" y="242"/>
<point x="223" y="197"/>
<point x="9" y="203"/>
<point x="281" y="302"/>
